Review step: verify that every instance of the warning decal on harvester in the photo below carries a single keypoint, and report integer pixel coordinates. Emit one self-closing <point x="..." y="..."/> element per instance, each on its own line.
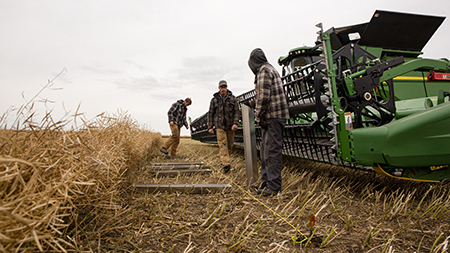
<point x="348" y="120"/>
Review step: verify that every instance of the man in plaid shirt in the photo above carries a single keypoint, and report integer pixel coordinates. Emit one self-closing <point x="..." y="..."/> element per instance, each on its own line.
<point x="177" y="119"/>
<point x="271" y="113"/>
<point x="223" y="116"/>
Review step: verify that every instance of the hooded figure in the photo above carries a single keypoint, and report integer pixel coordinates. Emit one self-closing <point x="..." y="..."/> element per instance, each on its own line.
<point x="270" y="101"/>
<point x="271" y="113"/>
<point x="257" y="59"/>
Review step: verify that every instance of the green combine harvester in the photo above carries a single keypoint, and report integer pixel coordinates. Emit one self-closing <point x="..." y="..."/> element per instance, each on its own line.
<point x="363" y="98"/>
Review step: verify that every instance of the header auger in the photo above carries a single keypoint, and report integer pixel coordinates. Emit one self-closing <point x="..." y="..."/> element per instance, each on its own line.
<point x="361" y="97"/>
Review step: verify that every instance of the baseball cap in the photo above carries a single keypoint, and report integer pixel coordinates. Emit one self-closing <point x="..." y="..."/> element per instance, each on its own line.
<point x="223" y="83"/>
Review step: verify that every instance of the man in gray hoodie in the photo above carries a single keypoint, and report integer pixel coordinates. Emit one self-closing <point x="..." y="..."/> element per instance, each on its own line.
<point x="271" y="113"/>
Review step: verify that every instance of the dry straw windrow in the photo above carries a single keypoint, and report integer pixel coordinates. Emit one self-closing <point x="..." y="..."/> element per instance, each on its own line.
<point x="59" y="187"/>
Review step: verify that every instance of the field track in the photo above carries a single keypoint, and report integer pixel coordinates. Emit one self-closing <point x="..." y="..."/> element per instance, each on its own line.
<point x="354" y="211"/>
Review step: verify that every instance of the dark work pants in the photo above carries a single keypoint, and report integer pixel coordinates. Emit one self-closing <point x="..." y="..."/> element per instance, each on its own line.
<point x="271" y="154"/>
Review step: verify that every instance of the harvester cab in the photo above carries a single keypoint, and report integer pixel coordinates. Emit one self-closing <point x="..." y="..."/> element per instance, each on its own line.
<point x="298" y="58"/>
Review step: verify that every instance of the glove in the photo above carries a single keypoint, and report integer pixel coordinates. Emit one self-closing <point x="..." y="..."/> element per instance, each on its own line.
<point x="264" y="124"/>
<point x="250" y="103"/>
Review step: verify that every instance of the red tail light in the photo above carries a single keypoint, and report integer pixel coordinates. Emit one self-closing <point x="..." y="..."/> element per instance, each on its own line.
<point x="435" y="76"/>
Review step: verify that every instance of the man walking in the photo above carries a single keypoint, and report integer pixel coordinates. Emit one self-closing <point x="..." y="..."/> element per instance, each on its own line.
<point x="223" y="116"/>
<point x="271" y="113"/>
<point x="177" y="119"/>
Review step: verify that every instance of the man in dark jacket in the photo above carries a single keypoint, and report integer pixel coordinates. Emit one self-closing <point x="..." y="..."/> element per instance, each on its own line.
<point x="223" y="116"/>
<point x="177" y="119"/>
<point x="271" y="113"/>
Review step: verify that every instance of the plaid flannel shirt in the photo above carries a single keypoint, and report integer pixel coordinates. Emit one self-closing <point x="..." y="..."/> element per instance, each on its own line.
<point x="270" y="100"/>
<point x="223" y="112"/>
<point x="177" y="114"/>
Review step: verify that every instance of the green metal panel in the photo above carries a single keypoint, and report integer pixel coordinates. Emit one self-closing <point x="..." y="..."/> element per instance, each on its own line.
<point x="434" y="87"/>
<point x="417" y="64"/>
<point x="419" y="140"/>
<point x="409" y="86"/>
<point x="422" y="139"/>
<point x="369" y="144"/>
<point x="410" y="106"/>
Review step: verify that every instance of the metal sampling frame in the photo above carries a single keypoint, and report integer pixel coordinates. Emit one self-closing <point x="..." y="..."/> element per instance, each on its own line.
<point x="177" y="168"/>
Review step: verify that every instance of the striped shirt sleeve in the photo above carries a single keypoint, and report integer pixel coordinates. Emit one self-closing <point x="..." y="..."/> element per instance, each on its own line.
<point x="262" y="89"/>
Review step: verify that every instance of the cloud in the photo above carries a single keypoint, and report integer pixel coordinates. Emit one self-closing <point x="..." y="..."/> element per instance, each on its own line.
<point x="206" y="71"/>
<point x="99" y="68"/>
<point x="144" y="83"/>
<point x="200" y="74"/>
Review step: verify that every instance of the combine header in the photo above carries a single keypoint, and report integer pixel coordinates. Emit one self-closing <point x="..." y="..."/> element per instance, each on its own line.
<point x="362" y="97"/>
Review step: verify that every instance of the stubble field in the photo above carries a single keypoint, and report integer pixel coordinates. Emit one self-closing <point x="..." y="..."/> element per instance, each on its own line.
<point x="73" y="191"/>
<point x="354" y="211"/>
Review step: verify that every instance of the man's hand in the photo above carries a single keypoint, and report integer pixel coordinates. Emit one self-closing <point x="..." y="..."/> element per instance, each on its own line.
<point x="171" y="123"/>
<point x="250" y="103"/>
<point x="211" y="131"/>
<point x="263" y="124"/>
<point x="234" y="127"/>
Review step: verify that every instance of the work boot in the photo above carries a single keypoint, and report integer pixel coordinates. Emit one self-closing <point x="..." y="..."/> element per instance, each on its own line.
<point x="226" y="168"/>
<point x="267" y="192"/>
<point x="164" y="151"/>
<point x="258" y="186"/>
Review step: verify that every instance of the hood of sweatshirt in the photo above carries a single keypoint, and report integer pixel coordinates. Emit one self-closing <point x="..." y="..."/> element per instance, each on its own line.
<point x="256" y="60"/>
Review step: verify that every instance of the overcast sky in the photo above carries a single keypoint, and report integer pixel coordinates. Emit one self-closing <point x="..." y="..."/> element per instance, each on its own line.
<point x="140" y="56"/>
